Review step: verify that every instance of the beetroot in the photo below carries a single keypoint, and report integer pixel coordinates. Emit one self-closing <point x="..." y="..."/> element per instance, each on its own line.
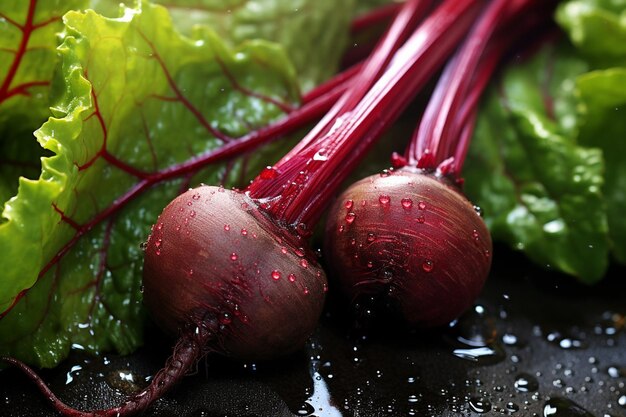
<point x="245" y="280"/>
<point x="409" y="239"/>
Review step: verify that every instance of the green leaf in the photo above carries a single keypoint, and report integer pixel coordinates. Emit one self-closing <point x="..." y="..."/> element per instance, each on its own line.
<point x="135" y="99"/>
<point x="28" y="41"/>
<point x="603" y="108"/>
<point x="597" y="28"/>
<point x="540" y="191"/>
<point x="313" y="32"/>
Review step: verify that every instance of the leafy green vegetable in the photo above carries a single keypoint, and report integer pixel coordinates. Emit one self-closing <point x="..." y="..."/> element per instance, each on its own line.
<point x="313" y="32"/>
<point x="134" y="99"/>
<point x="27" y="61"/>
<point x="557" y="147"/>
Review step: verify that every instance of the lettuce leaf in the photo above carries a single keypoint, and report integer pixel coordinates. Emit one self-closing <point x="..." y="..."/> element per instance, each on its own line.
<point x="132" y="99"/>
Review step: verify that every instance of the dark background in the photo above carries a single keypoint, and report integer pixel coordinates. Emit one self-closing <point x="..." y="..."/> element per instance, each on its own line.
<point x="536" y="344"/>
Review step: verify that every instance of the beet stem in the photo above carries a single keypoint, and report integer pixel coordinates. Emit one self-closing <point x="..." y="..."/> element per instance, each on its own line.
<point x="189" y="348"/>
<point x="331" y="151"/>
<point x="444" y="133"/>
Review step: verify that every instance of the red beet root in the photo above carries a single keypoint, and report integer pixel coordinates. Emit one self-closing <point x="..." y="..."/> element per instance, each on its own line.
<point x="413" y="239"/>
<point x="242" y="277"/>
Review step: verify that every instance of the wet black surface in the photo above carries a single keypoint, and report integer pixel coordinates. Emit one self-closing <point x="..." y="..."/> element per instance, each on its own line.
<point x="536" y="344"/>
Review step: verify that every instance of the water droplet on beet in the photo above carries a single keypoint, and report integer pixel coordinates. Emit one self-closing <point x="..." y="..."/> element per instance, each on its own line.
<point x="268" y="173"/>
<point x="244" y="232"/>
<point x="196" y="196"/>
<point x="428" y="266"/>
<point x="341" y="228"/>
<point x="385" y="173"/>
<point x="421" y="205"/>
<point x="234" y="256"/>
<point x="225" y="319"/>
<point x="159" y="226"/>
<point x="304" y="263"/>
<point x="189" y="203"/>
<point x="192" y="213"/>
<point x="384" y="200"/>
<point x="371" y="237"/>
<point x="397" y="160"/>
<point x="350" y="217"/>
<point x="348" y="204"/>
<point x="284" y="250"/>
<point x="478" y="211"/>
<point x="291" y="277"/>
<point x="420" y="219"/>
<point x="370" y="264"/>
<point x="300" y="252"/>
<point x="275" y="275"/>
<point x="407" y="203"/>
<point x="227" y="227"/>
<point x="306" y="291"/>
<point x="325" y="287"/>
<point x="158" y="243"/>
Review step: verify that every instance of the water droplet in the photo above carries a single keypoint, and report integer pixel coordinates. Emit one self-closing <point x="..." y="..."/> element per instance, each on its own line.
<point x="421" y="205"/>
<point x="291" y="278"/>
<point x="159" y="226"/>
<point x="385" y="173"/>
<point x="397" y="160"/>
<point x="158" y="243"/>
<point x="283" y="250"/>
<point x="478" y="211"/>
<point x="325" y="288"/>
<point x="562" y="407"/>
<point x="370" y="264"/>
<point x="275" y="275"/>
<point x="348" y="204"/>
<point x="299" y="252"/>
<point x="244" y="232"/>
<point x="616" y="371"/>
<point x="407" y="203"/>
<point x="371" y="237"/>
<point x="479" y="405"/>
<point x="341" y="228"/>
<point x="268" y="173"/>
<point x="143" y="246"/>
<point x="304" y="263"/>
<point x="384" y="200"/>
<point x="196" y="196"/>
<point x="526" y="383"/>
<point x="420" y="219"/>
<point x="227" y="227"/>
<point x="189" y="203"/>
<point x="350" y="217"/>
<point x="157" y="252"/>
<point x="225" y="319"/>
<point x="428" y="266"/>
<point x="192" y="213"/>
<point x="622" y="401"/>
<point x="511" y="407"/>
<point x="306" y="291"/>
<point x="234" y="256"/>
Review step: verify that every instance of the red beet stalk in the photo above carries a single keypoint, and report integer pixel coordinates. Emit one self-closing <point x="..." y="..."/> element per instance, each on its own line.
<point x="410" y="240"/>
